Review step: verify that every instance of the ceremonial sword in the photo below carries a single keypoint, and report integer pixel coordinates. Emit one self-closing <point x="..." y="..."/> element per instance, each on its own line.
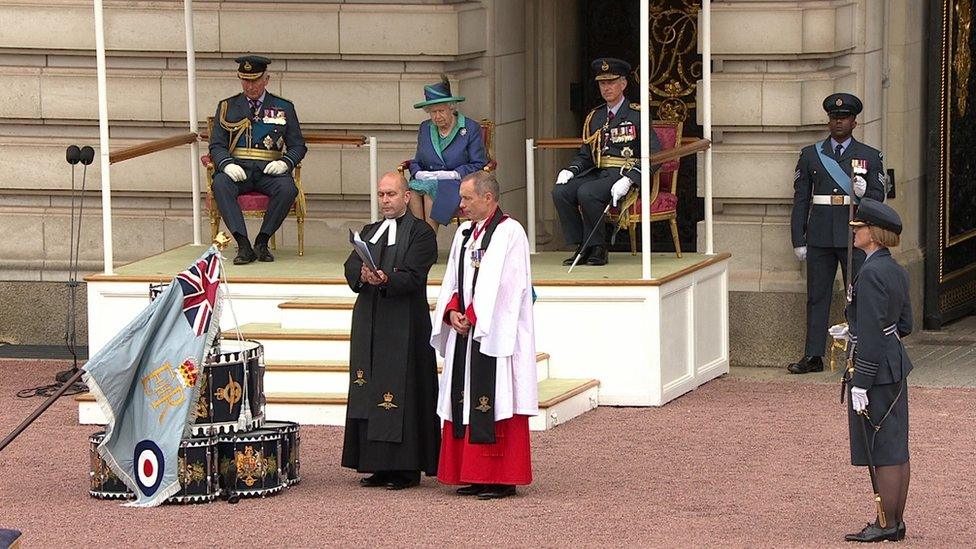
<point x="579" y="251"/>
<point x="862" y="419"/>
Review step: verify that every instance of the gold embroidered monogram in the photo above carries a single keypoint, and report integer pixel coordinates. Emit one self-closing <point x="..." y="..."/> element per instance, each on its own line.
<point x="360" y="380"/>
<point x="483" y="406"/>
<point x="387" y="401"/>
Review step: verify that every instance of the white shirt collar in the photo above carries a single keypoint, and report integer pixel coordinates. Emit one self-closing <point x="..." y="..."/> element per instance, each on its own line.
<point x="389" y="226"/>
<point x="616" y="107"/>
<point x="843" y="146"/>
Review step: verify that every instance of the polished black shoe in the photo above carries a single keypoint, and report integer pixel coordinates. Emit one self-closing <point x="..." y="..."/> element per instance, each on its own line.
<point x="497" y="491"/>
<point x="472" y="490"/>
<point x="806" y="365"/>
<point x="400" y="483"/>
<point x="374" y="480"/>
<point x="569" y="260"/>
<point x="901" y="530"/>
<point x="244" y="256"/>
<point x="873" y="533"/>
<point x="598" y="256"/>
<point x="263" y="253"/>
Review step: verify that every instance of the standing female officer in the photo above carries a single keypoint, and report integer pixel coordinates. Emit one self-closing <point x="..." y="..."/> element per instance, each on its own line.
<point x="879" y="315"/>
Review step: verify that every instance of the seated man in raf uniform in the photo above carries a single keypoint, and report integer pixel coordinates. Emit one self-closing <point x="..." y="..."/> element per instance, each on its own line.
<point x="255" y="144"/>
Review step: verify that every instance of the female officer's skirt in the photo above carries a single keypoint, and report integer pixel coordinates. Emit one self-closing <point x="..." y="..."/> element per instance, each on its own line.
<point x="889" y="444"/>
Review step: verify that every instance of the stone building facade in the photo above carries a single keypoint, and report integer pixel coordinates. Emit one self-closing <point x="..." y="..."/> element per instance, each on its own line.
<point x="358" y="67"/>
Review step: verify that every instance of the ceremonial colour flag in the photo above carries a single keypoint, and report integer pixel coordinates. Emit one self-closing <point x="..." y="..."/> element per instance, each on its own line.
<point x="145" y="381"/>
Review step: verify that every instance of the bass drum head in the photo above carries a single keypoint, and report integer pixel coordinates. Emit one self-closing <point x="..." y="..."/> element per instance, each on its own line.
<point x="231" y="389"/>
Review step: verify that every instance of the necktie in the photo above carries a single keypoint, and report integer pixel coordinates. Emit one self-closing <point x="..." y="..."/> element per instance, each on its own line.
<point x="609" y="115"/>
<point x="837" y="150"/>
<point x="255" y="107"/>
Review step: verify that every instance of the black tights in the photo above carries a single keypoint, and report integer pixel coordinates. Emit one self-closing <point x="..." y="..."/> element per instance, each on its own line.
<point x="893" y="488"/>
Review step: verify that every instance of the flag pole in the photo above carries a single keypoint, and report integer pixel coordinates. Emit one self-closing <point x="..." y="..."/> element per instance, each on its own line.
<point x="41" y="409"/>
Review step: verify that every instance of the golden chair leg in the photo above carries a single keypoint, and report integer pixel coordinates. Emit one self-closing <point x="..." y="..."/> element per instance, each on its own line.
<point x="301" y="237"/>
<point x="214" y="226"/>
<point x="632" y="231"/>
<point x="674" y="236"/>
<point x="271" y="242"/>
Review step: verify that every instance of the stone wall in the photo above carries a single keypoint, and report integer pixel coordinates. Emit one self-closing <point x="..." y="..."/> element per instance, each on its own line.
<point x="354" y="68"/>
<point x="774" y="62"/>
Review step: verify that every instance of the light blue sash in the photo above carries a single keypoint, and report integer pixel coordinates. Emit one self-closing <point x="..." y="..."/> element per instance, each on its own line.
<point x="836" y="172"/>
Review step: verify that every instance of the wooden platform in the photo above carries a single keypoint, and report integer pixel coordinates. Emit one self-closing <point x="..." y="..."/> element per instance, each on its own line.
<point x="605" y="336"/>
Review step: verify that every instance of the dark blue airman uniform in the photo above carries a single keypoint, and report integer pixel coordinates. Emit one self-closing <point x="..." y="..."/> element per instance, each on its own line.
<point x="251" y="134"/>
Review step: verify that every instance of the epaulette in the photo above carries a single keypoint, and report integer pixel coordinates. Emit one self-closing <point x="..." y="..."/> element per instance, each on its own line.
<point x="635" y="106"/>
<point x="281" y="98"/>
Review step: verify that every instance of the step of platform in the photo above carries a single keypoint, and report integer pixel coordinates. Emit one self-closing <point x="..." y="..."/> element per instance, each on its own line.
<point x="332" y="376"/>
<point x="560" y="400"/>
<point x="330" y="313"/>
<point x="295" y="344"/>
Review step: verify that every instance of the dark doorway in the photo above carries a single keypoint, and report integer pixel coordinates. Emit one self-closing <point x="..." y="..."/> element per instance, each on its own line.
<point x="611" y="28"/>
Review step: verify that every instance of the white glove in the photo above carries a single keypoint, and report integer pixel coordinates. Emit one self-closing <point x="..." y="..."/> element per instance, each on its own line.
<point x="425" y="176"/>
<point x="860" y="186"/>
<point x="838" y="331"/>
<point x="446" y="175"/>
<point x="859" y="399"/>
<point x="801" y="252"/>
<point x="276" y="167"/>
<point x="619" y="189"/>
<point x="563" y="177"/>
<point x="235" y="172"/>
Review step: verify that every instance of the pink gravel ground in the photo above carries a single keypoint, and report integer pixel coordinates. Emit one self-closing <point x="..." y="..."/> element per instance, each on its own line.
<point x="732" y="464"/>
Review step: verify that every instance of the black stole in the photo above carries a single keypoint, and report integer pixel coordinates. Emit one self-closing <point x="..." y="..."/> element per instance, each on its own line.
<point x="481" y="417"/>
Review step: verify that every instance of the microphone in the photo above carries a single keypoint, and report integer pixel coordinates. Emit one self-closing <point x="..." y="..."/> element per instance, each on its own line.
<point x="72" y="154"/>
<point x="87" y="155"/>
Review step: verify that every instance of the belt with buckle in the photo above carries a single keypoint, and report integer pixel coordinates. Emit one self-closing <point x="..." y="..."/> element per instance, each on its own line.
<point x="831" y="199"/>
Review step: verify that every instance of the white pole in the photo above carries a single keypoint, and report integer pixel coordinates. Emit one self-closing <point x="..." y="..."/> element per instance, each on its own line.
<point x="191" y="90"/>
<point x="706" y="97"/>
<point x="374" y="206"/>
<point x="103" y="146"/>
<point x="645" y="148"/>
<point x="530" y="192"/>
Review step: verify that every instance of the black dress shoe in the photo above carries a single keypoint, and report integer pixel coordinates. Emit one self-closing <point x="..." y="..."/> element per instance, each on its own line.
<point x="901" y="530"/>
<point x="569" y="260"/>
<point x="497" y="491"/>
<point x="374" y="480"/>
<point x="244" y="256"/>
<point x="472" y="490"/>
<point x="598" y="256"/>
<point x="263" y="253"/>
<point x="806" y="365"/>
<point x="400" y="483"/>
<point x="873" y="533"/>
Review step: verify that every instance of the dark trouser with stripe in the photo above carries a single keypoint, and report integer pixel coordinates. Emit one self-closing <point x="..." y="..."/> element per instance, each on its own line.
<point x="587" y="194"/>
<point x="821" y="271"/>
<point x="280" y="189"/>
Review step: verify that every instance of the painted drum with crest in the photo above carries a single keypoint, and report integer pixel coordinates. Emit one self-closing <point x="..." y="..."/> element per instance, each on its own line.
<point x="231" y="389"/>
<point x="291" y="443"/>
<point x="250" y="463"/>
<point x="197" y="472"/>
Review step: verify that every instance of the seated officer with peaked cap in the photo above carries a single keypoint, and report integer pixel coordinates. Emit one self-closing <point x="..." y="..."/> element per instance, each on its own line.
<point x="822" y="193"/>
<point x="605" y="167"/>
<point x="255" y="144"/>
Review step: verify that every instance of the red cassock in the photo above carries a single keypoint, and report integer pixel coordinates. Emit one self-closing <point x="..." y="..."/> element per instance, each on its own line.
<point x="507" y="461"/>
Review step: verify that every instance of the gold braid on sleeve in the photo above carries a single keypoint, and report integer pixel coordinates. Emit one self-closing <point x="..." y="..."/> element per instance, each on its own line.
<point x="235" y="129"/>
<point x="592" y="139"/>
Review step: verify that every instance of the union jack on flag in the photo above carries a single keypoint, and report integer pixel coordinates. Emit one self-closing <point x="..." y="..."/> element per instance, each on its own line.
<point x="199" y="284"/>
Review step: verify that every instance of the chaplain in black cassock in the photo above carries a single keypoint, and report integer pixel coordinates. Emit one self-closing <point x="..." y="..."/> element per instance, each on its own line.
<point x="392" y="429"/>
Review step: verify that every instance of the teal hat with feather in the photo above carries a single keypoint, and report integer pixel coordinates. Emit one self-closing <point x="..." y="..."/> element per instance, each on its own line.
<point x="439" y="92"/>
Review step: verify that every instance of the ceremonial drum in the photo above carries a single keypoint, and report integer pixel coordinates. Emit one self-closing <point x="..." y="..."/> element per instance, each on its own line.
<point x="291" y="443"/>
<point x="105" y="484"/>
<point x="231" y="389"/>
<point x="250" y="463"/>
<point x="197" y="472"/>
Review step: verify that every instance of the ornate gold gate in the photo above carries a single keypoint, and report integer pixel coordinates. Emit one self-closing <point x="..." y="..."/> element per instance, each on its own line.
<point x="950" y="263"/>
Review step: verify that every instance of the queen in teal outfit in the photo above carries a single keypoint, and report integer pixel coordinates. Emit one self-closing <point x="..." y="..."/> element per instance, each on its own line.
<point x="449" y="147"/>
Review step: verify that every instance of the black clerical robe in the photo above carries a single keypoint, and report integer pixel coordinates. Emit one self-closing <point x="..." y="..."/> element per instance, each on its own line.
<point x="391" y="418"/>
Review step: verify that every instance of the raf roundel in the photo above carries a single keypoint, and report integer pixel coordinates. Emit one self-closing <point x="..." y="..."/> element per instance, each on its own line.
<point x="149" y="465"/>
